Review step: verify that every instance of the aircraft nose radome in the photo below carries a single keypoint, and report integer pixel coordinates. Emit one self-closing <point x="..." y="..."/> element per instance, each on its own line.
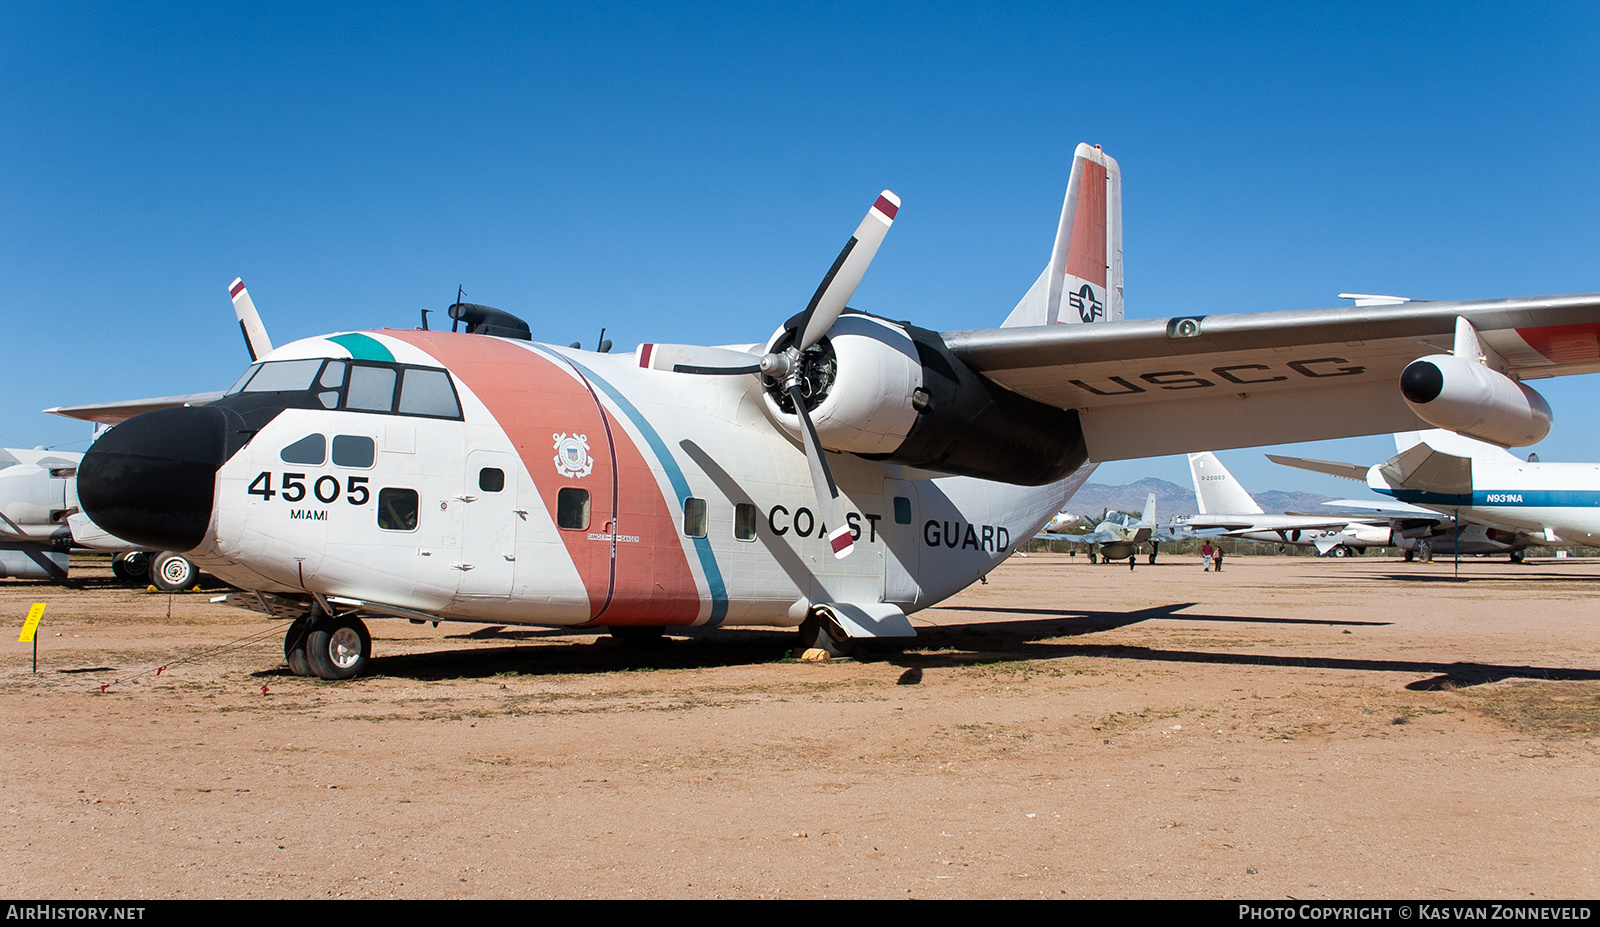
<point x="152" y="479"/>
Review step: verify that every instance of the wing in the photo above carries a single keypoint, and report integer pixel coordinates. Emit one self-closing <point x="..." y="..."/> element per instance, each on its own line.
<point x="1170" y="386"/>
<point x="110" y="413"/>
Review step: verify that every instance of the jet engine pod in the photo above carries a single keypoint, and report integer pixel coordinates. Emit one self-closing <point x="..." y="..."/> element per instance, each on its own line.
<point x="1456" y="394"/>
<point x="860" y="384"/>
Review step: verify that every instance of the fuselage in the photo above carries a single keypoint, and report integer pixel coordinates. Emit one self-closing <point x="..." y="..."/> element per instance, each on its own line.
<point x="489" y="479"/>
<point x="1556" y="502"/>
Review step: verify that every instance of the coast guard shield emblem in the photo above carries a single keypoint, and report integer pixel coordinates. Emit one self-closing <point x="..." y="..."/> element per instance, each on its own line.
<point x="572" y="455"/>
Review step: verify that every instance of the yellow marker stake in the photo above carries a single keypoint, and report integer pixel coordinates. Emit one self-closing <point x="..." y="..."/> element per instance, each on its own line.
<point x="29" y="626"/>
<point x="32" y="623"/>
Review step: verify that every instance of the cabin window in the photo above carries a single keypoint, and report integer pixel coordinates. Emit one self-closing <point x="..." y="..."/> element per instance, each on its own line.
<point x="744" y="521"/>
<point x="491" y="479"/>
<point x="428" y="392"/>
<point x="902" y="510"/>
<point x="354" y="451"/>
<point x="694" y="517"/>
<point x="312" y="449"/>
<point x="371" y="389"/>
<point x="572" y="508"/>
<point x="397" y="509"/>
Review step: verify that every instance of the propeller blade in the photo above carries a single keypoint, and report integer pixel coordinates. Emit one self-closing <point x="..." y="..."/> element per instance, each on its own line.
<point x="831" y="509"/>
<point x="848" y="269"/>
<point x="255" y="334"/>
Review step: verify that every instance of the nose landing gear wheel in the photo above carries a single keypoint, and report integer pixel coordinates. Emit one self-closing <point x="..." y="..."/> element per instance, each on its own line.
<point x="338" y="648"/>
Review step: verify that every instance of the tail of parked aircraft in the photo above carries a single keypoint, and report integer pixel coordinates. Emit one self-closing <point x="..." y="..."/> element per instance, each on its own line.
<point x="1448" y="442"/>
<point x="1083" y="281"/>
<point x="1216" y="492"/>
<point x="1149" y="517"/>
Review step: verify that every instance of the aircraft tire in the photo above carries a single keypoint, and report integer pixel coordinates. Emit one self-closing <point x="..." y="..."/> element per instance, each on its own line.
<point x="1519" y="556"/>
<point x="1340" y="551"/>
<point x="819" y="633"/>
<point x="1411" y="555"/>
<point x="171" y="573"/>
<point x="131" y="568"/>
<point x="294" y="647"/>
<point x="338" y="648"/>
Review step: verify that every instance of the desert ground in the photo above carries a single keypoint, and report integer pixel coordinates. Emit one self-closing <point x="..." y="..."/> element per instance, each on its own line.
<point x="1289" y="728"/>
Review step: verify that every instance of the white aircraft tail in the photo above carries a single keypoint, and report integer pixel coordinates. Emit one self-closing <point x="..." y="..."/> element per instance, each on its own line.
<point x="1149" y="517"/>
<point x="1216" y="492"/>
<point x="1083" y="281"/>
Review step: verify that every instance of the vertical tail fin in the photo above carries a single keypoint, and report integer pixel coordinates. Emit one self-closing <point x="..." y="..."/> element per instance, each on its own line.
<point x="1216" y="492"/>
<point x="1083" y="281"/>
<point x="1149" y="517"/>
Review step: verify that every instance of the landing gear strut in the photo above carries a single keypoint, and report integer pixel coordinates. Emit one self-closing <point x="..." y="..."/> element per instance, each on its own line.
<point x="820" y="632"/>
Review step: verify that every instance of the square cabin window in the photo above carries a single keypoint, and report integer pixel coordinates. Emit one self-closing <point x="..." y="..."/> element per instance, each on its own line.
<point x="694" y="517"/>
<point x="902" y="510"/>
<point x="491" y="479"/>
<point x="744" y="521"/>
<point x="397" y="509"/>
<point x="357" y="451"/>
<point x="572" y="508"/>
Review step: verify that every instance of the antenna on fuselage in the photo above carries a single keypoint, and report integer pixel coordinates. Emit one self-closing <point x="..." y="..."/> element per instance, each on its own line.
<point x="425" y="319"/>
<point x="455" y="322"/>
<point x="603" y="346"/>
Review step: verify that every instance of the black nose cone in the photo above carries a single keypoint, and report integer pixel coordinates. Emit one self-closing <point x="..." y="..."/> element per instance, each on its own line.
<point x="152" y="479"/>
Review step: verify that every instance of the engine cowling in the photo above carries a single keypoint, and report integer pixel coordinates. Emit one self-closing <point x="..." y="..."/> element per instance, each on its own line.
<point x="893" y="392"/>
<point x="1456" y="394"/>
<point x="861" y="380"/>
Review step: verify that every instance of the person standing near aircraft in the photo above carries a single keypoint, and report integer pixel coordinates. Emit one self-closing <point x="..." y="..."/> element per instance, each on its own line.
<point x="1206" y="553"/>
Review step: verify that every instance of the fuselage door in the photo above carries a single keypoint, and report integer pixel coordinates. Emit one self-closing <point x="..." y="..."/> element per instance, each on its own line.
<point x="489" y="520"/>
<point x="902" y="540"/>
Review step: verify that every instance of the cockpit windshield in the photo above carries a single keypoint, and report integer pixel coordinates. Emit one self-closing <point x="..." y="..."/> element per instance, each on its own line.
<point x="358" y="386"/>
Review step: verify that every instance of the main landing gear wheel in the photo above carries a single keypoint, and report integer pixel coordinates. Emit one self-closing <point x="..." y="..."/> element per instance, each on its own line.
<point x="638" y="635"/>
<point x="170" y="572"/>
<point x="338" y="647"/>
<point x="1340" y="551"/>
<point x="131" y="567"/>
<point x="819" y="632"/>
<point x="294" y="646"/>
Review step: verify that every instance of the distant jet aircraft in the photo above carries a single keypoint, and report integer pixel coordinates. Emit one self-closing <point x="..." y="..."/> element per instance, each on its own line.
<point x="1513" y="502"/>
<point x="1226" y="505"/>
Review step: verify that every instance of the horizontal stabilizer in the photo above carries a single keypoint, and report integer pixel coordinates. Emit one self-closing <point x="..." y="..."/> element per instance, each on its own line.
<point x="1347" y="471"/>
<point x="1423" y="469"/>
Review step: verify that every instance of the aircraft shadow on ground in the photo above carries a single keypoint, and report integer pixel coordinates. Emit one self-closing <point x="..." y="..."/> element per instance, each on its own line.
<point x="1044" y="637"/>
<point x="1521" y="577"/>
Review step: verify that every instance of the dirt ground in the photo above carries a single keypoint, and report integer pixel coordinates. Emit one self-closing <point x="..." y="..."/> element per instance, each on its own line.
<point x="1291" y="727"/>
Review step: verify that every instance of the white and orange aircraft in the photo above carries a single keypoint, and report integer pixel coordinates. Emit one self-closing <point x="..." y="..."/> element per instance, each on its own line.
<point x="838" y="476"/>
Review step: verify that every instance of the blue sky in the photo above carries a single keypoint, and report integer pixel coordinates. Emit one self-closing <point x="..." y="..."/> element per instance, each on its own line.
<point x="687" y="172"/>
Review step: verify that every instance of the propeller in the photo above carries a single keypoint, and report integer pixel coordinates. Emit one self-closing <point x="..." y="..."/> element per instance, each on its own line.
<point x="805" y="329"/>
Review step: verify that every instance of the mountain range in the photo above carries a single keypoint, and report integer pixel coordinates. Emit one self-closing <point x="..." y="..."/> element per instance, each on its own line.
<point x="1172" y="499"/>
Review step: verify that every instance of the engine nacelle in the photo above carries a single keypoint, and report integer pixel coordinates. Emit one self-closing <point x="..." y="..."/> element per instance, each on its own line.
<point x="892" y="392"/>
<point x="1458" y="395"/>
<point x="868" y="375"/>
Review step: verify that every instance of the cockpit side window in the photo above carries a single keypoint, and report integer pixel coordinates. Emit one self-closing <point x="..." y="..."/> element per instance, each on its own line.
<point x="428" y="392"/>
<point x="371" y="389"/>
